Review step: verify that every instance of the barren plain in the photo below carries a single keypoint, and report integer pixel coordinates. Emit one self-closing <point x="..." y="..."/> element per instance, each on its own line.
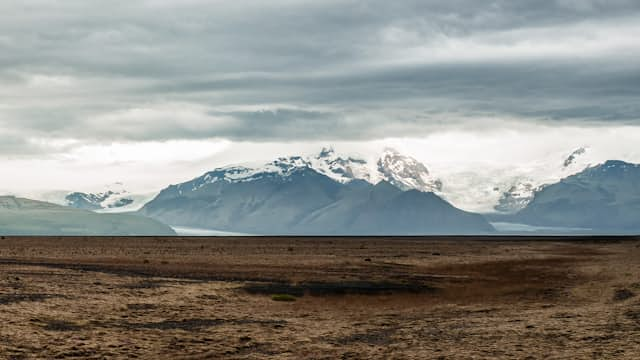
<point x="350" y="298"/>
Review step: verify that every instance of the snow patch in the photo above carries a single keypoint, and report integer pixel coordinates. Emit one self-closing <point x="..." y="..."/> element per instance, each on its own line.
<point x="402" y="171"/>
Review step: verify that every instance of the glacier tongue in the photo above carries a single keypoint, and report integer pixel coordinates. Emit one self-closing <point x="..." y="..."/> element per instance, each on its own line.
<point x="517" y="197"/>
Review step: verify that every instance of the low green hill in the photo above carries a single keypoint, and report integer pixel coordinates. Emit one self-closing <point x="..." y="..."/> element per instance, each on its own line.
<point x="20" y="216"/>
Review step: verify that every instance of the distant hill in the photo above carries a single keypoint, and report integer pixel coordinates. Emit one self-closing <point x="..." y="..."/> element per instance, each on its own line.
<point x="604" y="198"/>
<point x="112" y="198"/>
<point x="19" y="216"/>
<point x="91" y="201"/>
<point x="290" y="196"/>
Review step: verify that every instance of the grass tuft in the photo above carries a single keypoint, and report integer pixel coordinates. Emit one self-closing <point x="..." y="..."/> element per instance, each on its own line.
<point x="283" y="297"/>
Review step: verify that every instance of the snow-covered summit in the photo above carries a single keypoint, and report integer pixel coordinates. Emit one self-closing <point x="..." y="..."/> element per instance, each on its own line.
<point x="573" y="158"/>
<point x="522" y="189"/>
<point x="344" y="168"/>
<point x="112" y="198"/>
<point x="402" y="171"/>
<point x="108" y="199"/>
<point x="406" y="172"/>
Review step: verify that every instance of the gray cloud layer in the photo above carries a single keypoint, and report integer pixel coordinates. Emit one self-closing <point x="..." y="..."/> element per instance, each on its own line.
<point x="282" y="69"/>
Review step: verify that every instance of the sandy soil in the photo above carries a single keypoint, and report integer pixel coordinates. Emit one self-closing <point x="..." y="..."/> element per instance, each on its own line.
<point x="211" y="298"/>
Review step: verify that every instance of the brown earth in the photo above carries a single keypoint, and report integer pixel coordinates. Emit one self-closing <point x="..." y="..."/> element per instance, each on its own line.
<point x="387" y="298"/>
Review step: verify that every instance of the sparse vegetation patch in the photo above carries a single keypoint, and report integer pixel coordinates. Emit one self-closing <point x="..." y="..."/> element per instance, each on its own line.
<point x="283" y="297"/>
<point x="62" y="325"/>
<point x="623" y="294"/>
<point x="6" y="299"/>
<point x="337" y="288"/>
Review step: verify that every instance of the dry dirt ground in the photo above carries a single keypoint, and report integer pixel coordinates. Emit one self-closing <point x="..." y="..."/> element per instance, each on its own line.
<point x="373" y="298"/>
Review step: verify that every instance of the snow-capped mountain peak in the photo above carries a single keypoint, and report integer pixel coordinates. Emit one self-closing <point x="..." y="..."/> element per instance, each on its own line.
<point x="326" y="152"/>
<point x="101" y="200"/>
<point x="572" y="158"/>
<point x="522" y="190"/>
<point x="112" y="198"/>
<point x="343" y="168"/>
<point x="577" y="161"/>
<point x="400" y="170"/>
<point x="406" y="172"/>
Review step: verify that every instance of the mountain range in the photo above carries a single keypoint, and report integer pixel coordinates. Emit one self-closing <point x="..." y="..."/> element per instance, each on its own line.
<point x="332" y="194"/>
<point x="322" y="195"/>
<point x="390" y="194"/>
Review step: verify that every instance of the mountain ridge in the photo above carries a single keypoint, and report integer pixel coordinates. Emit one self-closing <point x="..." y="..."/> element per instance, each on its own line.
<point x="301" y="200"/>
<point x="604" y="197"/>
<point x="401" y="170"/>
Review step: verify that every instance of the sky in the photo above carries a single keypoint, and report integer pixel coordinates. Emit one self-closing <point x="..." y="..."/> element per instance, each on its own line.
<point x="153" y="92"/>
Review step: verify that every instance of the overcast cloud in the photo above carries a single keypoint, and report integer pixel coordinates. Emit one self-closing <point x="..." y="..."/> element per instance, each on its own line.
<point x="81" y="71"/>
<point x="152" y="92"/>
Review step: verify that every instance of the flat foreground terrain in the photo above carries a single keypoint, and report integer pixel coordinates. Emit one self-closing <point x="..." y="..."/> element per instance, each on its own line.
<point x="422" y="298"/>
